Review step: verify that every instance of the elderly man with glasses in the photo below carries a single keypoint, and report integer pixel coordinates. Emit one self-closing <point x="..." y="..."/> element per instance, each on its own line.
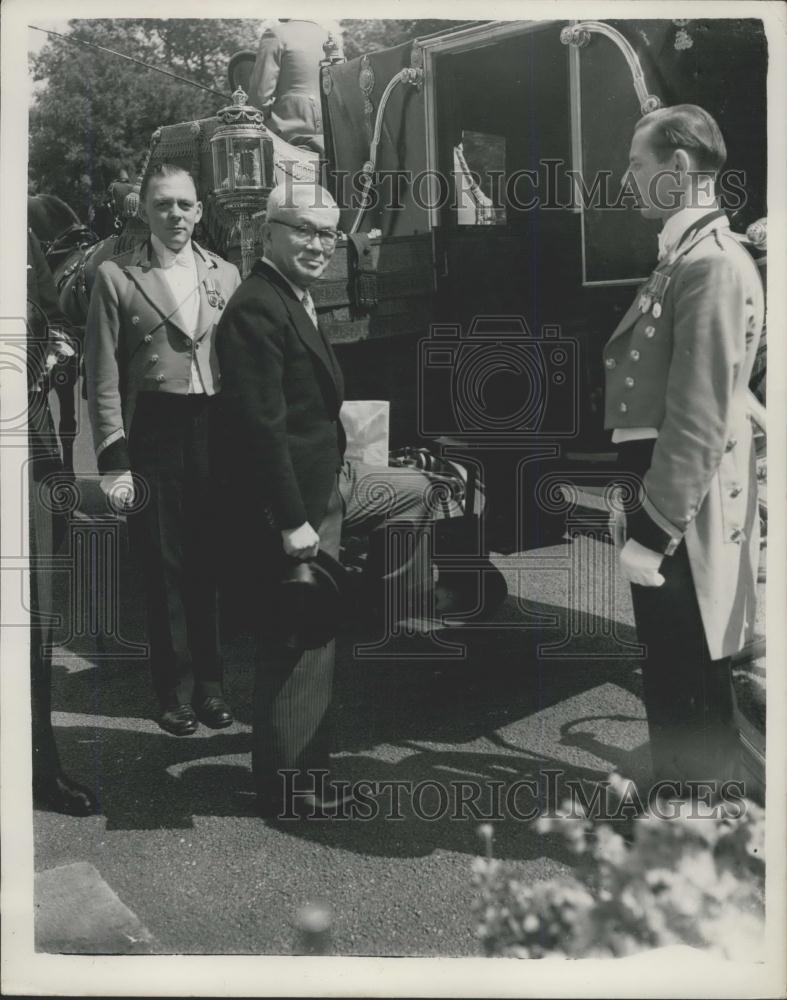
<point x="282" y="390"/>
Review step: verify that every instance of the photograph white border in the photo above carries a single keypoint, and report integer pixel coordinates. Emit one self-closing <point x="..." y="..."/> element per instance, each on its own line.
<point x="27" y="973"/>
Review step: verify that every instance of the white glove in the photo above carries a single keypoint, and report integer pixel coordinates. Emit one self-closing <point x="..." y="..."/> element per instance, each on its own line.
<point x="59" y="349"/>
<point x="641" y="565"/>
<point x="119" y="488"/>
<point x="302" y="542"/>
<point x="617" y="529"/>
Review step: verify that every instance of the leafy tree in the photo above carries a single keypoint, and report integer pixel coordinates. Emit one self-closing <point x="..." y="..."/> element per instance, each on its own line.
<point x="370" y="35"/>
<point x="97" y="112"/>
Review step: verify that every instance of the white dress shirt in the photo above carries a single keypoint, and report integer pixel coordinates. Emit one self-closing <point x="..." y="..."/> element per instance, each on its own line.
<point x="180" y="272"/>
<point x="677" y="224"/>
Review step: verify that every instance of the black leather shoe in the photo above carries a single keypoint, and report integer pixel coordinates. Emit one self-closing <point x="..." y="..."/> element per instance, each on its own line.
<point x="180" y="721"/>
<point x="214" y="712"/>
<point x="336" y="803"/>
<point x="60" y="793"/>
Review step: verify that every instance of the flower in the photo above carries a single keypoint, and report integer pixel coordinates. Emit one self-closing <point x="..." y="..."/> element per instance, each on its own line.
<point x="684" y="880"/>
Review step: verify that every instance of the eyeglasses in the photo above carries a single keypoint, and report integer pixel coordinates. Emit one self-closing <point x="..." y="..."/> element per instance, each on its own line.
<point x="304" y="233"/>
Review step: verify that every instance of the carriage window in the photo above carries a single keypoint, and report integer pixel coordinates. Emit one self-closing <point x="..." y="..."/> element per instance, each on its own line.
<point x="479" y="166"/>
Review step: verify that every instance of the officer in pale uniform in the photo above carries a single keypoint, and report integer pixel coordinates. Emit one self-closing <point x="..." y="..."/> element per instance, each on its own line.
<point x="677" y="369"/>
<point x="285" y="80"/>
<point x="152" y="380"/>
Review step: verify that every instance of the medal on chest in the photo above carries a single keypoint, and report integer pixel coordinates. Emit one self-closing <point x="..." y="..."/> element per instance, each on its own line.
<point x="215" y="298"/>
<point x="653" y="293"/>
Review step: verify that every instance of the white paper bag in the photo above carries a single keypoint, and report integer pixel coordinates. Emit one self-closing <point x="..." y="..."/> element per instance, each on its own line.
<point x="366" y="426"/>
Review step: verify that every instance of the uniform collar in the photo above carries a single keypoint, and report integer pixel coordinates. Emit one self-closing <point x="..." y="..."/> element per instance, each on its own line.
<point x="170" y="258"/>
<point x="678" y="225"/>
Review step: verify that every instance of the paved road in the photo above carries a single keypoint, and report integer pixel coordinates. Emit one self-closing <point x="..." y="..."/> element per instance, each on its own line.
<point x="549" y="685"/>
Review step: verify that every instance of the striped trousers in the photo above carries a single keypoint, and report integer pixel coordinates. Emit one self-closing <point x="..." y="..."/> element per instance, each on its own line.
<point x="292" y="692"/>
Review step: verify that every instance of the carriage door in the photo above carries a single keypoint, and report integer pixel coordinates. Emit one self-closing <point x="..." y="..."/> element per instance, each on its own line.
<point x="503" y="142"/>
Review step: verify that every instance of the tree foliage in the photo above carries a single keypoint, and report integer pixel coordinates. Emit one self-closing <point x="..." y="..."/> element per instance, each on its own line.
<point x="95" y="113"/>
<point x="370" y="35"/>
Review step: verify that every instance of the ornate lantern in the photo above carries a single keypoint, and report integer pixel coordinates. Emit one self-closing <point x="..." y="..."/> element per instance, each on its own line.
<point x="243" y="172"/>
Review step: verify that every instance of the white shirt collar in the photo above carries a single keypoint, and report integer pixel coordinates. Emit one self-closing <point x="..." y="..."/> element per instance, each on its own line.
<point x="169" y="258"/>
<point x="297" y="290"/>
<point x="677" y="224"/>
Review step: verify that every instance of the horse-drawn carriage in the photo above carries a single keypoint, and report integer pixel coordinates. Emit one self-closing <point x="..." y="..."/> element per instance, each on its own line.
<point x="487" y="252"/>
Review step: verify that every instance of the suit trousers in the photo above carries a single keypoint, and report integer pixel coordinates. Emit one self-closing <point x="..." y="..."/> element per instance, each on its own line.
<point x="292" y="697"/>
<point x="175" y="534"/>
<point x="688" y="696"/>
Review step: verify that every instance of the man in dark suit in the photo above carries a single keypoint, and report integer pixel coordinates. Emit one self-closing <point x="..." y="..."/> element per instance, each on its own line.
<point x="152" y="380"/>
<point x="677" y="370"/>
<point x="48" y="344"/>
<point x="285" y="81"/>
<point x="283" y="389"/>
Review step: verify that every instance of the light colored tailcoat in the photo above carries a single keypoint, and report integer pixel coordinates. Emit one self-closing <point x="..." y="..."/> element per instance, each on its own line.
<point x="685" y="371"/>
<point x="135" y="341"/>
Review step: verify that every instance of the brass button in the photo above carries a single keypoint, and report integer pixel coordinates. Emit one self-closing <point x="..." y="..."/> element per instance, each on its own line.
<point x="135" y="320"/>
<point x="153" y="358"/>
<point x="736" y="491"/>
<point x="610" y="363"/>
<point x="148" y="337"/>
<point x="634" y="355"/>
<point x="629" y="382"/>
<point x="160" y="378"/>
<point x="623" y="408"/>
<point x="650" y="331"/>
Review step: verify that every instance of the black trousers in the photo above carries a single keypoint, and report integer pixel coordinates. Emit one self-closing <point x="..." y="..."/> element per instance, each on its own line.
<point x="47" y="531"/>
<point x="175" y="534"/>
<point x="688" y="696"/>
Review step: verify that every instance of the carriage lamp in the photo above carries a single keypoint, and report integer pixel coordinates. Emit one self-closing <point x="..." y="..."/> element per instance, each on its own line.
<point x="243" y="171"/>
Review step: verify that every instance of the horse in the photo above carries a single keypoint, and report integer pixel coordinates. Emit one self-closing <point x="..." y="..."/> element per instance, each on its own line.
<point x="49" y="217"/>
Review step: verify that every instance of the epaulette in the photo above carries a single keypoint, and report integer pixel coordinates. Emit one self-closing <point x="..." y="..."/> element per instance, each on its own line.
<point x="208" y="256"/>
<point x="217" y="256"/>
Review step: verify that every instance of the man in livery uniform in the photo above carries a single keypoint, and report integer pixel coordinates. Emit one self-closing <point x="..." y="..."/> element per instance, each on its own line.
<point x="285" y="80"/>
<point x="677" y="369"/>
<point x="152" y="380"/>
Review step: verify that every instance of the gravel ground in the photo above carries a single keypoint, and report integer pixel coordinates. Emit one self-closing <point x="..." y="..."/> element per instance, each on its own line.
<point x="551" y="683"/>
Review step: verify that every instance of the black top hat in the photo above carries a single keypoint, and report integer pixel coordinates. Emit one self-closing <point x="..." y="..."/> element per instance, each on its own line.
<point x="309" y="601"/>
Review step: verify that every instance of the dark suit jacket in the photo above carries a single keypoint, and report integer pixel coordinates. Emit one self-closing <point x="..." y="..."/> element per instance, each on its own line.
<point x="282" y="391"/>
